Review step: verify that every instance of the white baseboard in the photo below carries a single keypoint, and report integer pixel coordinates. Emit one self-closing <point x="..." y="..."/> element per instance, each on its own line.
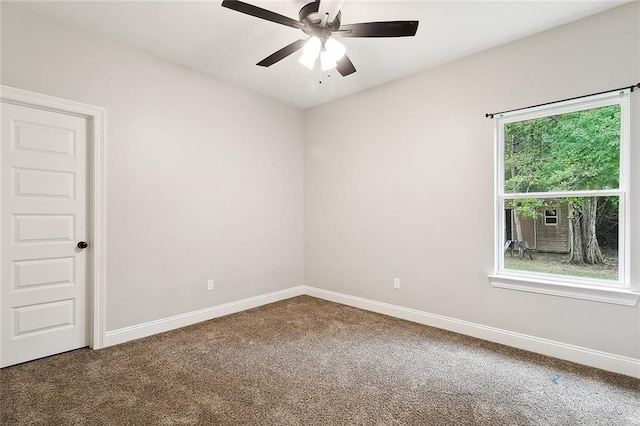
<point x="593" y="358"/>
<point x="165" y="324"/>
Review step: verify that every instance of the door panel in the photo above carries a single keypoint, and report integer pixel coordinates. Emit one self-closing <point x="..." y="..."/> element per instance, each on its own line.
<point x="43" y="228"/>
<point x="43" y="183"/>
<point x="43" y="293"/>
<point x="41" y="272"/>
<point x="31" y="136"/>
<point x="44" y="316"/>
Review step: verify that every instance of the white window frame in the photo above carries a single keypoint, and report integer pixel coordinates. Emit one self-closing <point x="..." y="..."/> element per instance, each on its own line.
<point x="617" y="292"/>
<point x="556" y="217"/>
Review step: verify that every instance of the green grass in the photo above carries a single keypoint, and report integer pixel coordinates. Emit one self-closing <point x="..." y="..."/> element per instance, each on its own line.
<point x="557" y="264"/>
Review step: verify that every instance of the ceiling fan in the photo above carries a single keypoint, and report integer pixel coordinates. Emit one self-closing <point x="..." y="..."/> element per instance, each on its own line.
<point x="320" y="20"/>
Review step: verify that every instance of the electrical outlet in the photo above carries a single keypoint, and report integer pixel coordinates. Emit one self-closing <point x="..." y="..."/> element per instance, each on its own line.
<point x="210" y="285"/>
<point x="396" y="283"/>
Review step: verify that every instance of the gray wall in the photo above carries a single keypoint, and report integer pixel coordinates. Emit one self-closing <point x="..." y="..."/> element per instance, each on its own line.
<point x="204" y="179"/>
<point x="405" y="178"/>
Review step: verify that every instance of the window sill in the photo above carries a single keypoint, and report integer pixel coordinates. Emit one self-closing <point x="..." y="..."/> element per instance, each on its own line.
<point x="596" y="294"/>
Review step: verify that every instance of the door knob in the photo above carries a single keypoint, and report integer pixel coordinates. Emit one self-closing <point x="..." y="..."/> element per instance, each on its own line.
<point x="82" y="245"/>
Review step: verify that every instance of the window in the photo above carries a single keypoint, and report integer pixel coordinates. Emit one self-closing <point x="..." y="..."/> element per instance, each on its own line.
<point x="561" y="179"/>
<point x="551" y="217"/>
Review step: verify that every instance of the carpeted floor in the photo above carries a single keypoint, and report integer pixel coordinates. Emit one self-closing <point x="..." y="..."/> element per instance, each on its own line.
<point x="305" y="361"/>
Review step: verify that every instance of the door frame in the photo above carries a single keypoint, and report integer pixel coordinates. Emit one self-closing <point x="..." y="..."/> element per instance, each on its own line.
<point x="96" y="196"/>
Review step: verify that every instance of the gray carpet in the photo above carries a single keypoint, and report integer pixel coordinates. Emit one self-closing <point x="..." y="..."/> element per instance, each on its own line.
<point x="305" y="361"/>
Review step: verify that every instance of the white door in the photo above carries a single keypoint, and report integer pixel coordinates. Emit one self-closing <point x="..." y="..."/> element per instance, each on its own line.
<point x="43" y="298"/>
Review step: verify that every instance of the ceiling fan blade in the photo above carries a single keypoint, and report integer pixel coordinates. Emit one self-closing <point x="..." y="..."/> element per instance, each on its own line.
<point x="380" y="29"/>
<point x="261" y="13"/>
<point x="345" y="66"/>
<point x="282" y="53"/>
<point x="330" y="8"/>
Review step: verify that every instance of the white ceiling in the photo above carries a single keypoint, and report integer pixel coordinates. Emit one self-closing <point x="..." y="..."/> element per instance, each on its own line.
<point x="226" y="44"/>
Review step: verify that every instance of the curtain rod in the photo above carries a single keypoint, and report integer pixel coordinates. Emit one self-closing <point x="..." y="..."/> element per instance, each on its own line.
<point x="492" y="114"/>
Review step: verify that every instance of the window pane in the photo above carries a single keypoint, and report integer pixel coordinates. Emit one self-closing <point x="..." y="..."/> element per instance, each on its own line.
<point x="582" y="243"/>
<point x="565" y="152"/>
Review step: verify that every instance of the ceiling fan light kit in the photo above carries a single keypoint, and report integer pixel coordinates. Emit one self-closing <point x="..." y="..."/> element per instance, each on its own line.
<point x="314" y="21"/>
<point x="310" y="52"/>
<point x="326" y="61"/>
<point x="335" y="49"/>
